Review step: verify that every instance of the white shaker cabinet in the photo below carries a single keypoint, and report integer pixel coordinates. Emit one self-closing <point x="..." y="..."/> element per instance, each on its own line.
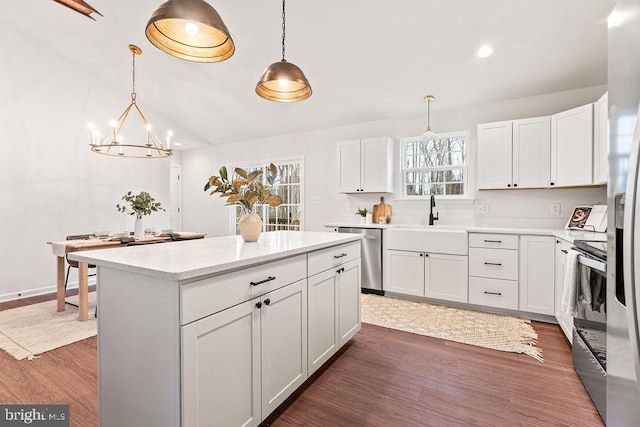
<point x="536" y="285"/>
<point x="565" y="320"/>
<point x="572" y="147"/>
<point x="431" y="275"/>
<point x="601" y="139"/>
<point x="365" y="165"/>
<point x="260" y="349"/>
<point x="495" y="144"/>
<point x="514" y="154"/>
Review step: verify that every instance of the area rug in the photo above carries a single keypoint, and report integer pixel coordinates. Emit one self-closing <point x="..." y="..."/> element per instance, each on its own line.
<point x="494" y="331"/>
<point x="28" y="331"/>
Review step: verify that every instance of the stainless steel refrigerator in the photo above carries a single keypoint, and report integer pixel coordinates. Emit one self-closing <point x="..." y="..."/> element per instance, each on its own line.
<point x="623" y="281"/>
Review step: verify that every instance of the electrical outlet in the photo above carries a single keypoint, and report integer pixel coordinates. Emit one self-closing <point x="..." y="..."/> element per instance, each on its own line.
<point x="483" y="208"/>
<point x="349" y="208"/>
<point x="316" y="200"/>
<point x="555" y="208"/>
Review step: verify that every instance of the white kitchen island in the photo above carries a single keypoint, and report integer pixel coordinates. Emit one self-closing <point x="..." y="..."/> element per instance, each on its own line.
<point x="218" y="332"/>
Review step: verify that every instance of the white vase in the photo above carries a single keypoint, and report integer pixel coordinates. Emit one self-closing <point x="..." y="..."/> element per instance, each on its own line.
<point x="250" y="227"/>
<point x="139" y="229"/>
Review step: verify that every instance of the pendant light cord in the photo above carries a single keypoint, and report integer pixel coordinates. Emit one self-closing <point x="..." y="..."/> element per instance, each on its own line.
<point x="283" y="29"/>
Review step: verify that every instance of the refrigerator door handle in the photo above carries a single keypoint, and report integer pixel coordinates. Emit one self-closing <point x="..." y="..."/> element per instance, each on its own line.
<point x="631" y="220"/>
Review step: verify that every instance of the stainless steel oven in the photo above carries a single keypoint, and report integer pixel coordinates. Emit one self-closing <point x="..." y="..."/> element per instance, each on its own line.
<point x="590" y="321"/>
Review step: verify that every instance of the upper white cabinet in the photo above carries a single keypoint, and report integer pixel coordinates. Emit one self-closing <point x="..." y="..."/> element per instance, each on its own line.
<point x="572" y="147"/>
<point x="601" y="139"/>
<point x="514" y="154"/>
<point x="365" y="165"/>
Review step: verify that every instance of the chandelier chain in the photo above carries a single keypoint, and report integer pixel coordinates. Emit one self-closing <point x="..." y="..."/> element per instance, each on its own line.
<point x="283" y="29"/>
<point x="133" y="79"/>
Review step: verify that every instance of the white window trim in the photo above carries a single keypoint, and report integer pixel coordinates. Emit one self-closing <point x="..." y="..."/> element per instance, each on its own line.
<point x="402" y="169"/>
<point x="255" y="164"/>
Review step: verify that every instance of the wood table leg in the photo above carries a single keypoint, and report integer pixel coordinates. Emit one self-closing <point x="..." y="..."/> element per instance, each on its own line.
<point x="83" y="290"/>
<point x="60" y="282"/>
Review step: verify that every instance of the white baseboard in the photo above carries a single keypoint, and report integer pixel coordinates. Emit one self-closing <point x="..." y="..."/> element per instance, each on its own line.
<point x="40" y="291"/>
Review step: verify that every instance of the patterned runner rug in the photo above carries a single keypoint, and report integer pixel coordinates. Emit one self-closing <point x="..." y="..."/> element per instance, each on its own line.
<point x="494" y="331"/>
<point x="34" y="329"/>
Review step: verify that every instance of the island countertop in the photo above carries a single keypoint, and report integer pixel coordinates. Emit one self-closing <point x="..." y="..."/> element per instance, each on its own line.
<point x="195" y="258"/>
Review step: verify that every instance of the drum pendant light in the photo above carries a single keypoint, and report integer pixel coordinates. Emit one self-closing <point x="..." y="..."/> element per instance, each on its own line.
<point x="283" y="81"/>
<point x="191" y="30"/>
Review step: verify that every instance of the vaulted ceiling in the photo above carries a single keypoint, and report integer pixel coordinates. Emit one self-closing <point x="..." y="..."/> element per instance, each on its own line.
<point x="366" y="59"/>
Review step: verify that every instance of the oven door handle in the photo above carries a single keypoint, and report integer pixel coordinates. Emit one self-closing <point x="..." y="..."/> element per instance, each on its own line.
<point x="593" y="263"/>
<point x="629" y="243"/>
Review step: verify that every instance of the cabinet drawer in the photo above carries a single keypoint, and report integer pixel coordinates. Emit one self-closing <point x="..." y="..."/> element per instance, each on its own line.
<point x="328" y="258"/>
<point x="208" y="296"/>
<point x="501" y="241"/>
<point x="493" y="263"/>
<point x="493" y="292"/>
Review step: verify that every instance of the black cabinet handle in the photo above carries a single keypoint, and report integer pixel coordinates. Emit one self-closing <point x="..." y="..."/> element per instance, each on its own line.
<point x="564" y="251"/>
<point x="340" y="270"/>
<point x="421" y="254"/>
<point x="426" y="254"/>
<point x="258" y="304"/>
<point x="552" y="183"/>
<point x="268" y="279"/>
<point x="492" y="241"/>
<point x="492" y="293"/>
<point x="339" y="256"/>
<point x="492" y="263"/>
<point x="267" y="301"/>
<point x="515" y="185"/>
<point x="508" y="185"/>
<point x="557" y="241"/>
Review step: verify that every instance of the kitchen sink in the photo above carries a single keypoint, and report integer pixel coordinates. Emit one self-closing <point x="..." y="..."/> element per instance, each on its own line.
<point x="441" y="239"/>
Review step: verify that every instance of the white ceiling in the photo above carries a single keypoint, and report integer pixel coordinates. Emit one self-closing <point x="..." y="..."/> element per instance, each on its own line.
<point x="366" y="59"/>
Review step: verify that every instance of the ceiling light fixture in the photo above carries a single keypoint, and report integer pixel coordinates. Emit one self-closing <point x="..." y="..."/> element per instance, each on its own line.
<point x="191" y="30"/>
<point x="283" y="81"/>
<point x="428" y="131"/>
<point x="80" y="7"/>
<point x="485" y="51"/>
<point x="112" y="143"/>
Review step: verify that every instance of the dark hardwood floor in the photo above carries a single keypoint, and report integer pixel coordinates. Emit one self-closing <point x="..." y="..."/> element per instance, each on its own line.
<point x="382" y="378"/>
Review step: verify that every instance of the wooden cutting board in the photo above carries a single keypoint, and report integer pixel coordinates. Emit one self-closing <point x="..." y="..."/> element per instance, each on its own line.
<point x="381" y="210"/>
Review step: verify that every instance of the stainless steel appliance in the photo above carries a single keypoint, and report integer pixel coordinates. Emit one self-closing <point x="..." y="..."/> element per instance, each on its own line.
<point x="590" y="322"/>
<point x="371" y="280"/>
<point x="623" y="292"/>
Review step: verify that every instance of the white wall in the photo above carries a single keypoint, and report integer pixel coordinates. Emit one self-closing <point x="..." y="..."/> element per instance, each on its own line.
<point x="529" y="208"/>
<point x="51" y="184"/>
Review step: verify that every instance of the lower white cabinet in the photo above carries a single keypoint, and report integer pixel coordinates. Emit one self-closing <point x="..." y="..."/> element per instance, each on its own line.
<point x="565" y="320"/>
<point x="537" y="274"/>
<point x="260" y="353"/>
<point x="333" y="311"/>
<point x="438" y="276"/>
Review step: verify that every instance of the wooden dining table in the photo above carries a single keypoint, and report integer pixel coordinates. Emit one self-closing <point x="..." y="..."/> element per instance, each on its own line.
<point x="63" y="247"/>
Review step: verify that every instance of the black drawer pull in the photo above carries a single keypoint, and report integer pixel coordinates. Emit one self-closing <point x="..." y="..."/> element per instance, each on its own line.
<point x="564" y="251"/>
<point x="339" y="256"/>
<point x="492" y="241"/>
<point x="267" y="301"/>
<point x="340" y="270"/>
<point x="493" y="293"/>
<point x="268" y="279"/>
<point x="492" y="263"/>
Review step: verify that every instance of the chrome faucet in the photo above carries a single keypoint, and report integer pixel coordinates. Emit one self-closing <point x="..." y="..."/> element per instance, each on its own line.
<point x="431" y="206"/>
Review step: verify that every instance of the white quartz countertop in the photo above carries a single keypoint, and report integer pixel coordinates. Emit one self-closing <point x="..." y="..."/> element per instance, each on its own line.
<point x="188" y="259"/>
<point x="568" y="235"/>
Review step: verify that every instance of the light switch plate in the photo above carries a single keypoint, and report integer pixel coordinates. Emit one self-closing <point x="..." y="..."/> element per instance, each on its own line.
<point x="555" y="208"/>
<point x="316" y="200"/>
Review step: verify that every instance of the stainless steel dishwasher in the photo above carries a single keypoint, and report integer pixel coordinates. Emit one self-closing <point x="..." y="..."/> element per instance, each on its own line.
<point x="371" y="280"/>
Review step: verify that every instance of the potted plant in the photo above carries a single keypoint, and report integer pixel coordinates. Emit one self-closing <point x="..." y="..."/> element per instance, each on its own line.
<point x="363" y="214"/>
<point x="139" y="205"/>
<point x="246" y="190"/>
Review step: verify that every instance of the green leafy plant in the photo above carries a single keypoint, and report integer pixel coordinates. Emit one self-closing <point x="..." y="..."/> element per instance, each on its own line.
<point x="245" y="189"/>
<point x="139" y="204"/>
<point x="362" y="212"/>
